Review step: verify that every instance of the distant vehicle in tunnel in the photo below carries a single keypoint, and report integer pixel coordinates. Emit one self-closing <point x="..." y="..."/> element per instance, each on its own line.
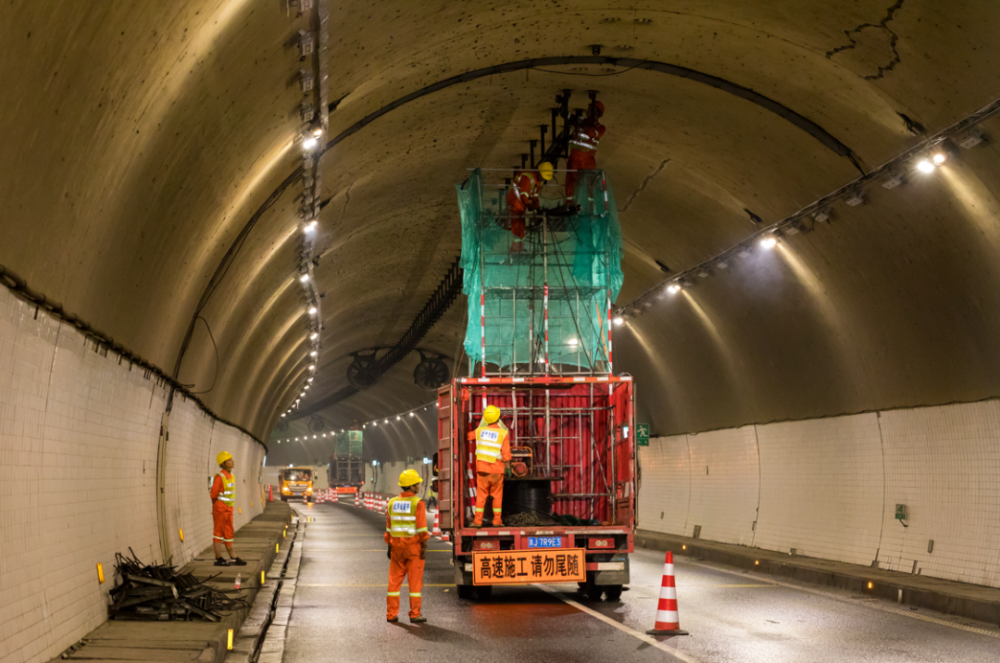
<point x="346" y="471"/>
<point x="296" y="483"/>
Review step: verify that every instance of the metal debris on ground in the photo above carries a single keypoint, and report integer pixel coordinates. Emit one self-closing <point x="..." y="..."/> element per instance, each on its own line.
<point x="159" y="593"/>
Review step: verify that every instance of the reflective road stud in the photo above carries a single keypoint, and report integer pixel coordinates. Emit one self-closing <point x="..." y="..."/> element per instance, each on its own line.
<point x="229" y="640"/>
<point x="667" y="620"/>
<point x="100" y="572"/>
<point x="180" y="531"/>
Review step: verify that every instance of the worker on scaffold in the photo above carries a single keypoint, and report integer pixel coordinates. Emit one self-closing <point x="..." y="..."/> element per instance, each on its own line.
<point x="406" y="535"/>
<point x="492" y="462"/>
<point x="522" y="196"/>
<point x="583" y="142"/>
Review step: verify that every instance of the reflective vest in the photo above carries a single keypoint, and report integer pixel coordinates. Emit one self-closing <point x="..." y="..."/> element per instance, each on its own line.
<point x="489" y="443"/>
<point x="525" y="187"/>
<point x="403" y="516"/>
<point x="585" y="138"/>
<point x="228" y="494"/>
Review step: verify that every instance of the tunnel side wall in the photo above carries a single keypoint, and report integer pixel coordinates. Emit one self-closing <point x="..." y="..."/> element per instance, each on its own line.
<point x="79" y="440"/>
<point x="829" y="488"/>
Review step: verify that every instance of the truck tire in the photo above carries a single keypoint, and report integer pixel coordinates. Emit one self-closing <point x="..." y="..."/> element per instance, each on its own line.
<point x="594" y="591"/>
<point x="465" y="592"/>
<point x="484" y="592"/>
<point x="612" y="592"/>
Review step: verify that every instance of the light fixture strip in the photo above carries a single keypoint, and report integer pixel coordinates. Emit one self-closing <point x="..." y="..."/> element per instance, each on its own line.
<point x="818" y="208"/>
<point x="374" y="422"/>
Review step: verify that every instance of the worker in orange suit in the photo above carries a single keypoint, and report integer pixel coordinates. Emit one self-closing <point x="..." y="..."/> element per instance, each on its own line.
<point x="492" y="462"/>
<point x="406" y="534"/>
<point x="223" y="498"/>
<point x="522" y="196"/>
<point x="583" y="142"/>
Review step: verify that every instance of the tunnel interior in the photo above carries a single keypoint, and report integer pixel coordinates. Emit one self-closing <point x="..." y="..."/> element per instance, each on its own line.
<point x="809" y="310"/>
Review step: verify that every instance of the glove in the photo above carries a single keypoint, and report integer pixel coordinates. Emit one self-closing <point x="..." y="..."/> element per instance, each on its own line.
<point x="423" y="550"/>
<point x="388" y="552"/>
<point x="506" y="471"/>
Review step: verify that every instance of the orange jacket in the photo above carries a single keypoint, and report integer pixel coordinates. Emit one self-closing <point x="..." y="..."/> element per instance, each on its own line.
<point x="421" y="525"/>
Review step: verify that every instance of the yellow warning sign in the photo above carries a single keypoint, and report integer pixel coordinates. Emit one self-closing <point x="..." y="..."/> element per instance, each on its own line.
<point x="511" y="567"/>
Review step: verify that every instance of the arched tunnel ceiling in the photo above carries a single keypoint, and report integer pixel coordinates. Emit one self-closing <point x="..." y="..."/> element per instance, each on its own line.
<point x="140" y="139"/>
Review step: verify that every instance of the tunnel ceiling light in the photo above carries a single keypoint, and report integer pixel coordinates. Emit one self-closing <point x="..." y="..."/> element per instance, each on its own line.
<point x="313" y="354"/>
<point x="822" y="216"/>
<point x="313" y="310"/>
<point x="398" y="417"/>
<point x="304" y="278"/>
<point x="310" y="143"/>
<point x="284" y="414"/>
<point x="673" y="288"/>
<point x="973" y="138"/>
<point x="312" y="367"/>
<point x="313" y="336"/>
<point x="412" y="415"/>
<point x="925" y="166"/>
<point x="619" y="321"/>
<point x="386" y="421"/>
<point x="939" y="158"/>
<point x="855" y="198"/>
<point x="768" y="243"/>
<point x="317" y="132"/>
<point x="893" y="181"/>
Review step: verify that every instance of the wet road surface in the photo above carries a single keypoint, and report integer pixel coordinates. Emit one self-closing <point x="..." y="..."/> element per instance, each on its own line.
<point x="733" y="616"/>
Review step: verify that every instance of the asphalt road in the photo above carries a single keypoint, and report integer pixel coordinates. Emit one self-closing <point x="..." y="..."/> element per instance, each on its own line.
<point x="733" y="616"/>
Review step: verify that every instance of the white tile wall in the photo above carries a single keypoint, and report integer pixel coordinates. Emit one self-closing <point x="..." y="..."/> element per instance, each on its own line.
<point x="79" y="434"/>
<point x="828" y="487"/>
<point x="821" y="488"/>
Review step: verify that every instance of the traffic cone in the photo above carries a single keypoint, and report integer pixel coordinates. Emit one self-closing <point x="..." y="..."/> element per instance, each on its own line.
<point x="270" y="492"/>
<point x="667" y="620"/>
<point x="357" y="499"/>
<point x="437" y="524"/>
<point x="335" y="497"/>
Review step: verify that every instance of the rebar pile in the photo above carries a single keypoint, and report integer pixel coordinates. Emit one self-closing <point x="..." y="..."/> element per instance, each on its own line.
<point x="160" y="593"/>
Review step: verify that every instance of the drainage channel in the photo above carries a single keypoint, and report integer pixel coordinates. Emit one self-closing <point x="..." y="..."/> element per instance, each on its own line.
<point x="261" y="638"/>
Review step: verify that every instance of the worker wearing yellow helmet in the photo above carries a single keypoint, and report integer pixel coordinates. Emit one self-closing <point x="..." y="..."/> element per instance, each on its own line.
<point x="406" y="535"/>
<point x="492" y="460"/>
<point x="223" y="496"/>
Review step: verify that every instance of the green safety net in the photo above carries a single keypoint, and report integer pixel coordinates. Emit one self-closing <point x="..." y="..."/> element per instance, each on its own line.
<point x="578" y="256"/>
<point x="348" y="443"/>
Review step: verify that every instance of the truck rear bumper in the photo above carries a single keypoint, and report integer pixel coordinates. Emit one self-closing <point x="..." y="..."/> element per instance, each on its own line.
<point x="613" y="572"/>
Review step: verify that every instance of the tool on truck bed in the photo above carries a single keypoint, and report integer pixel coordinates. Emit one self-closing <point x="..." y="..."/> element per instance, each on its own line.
<point x="157" y="592"/>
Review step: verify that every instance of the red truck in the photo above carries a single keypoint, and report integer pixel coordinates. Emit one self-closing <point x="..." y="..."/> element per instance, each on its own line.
<point x="571" y="496"/>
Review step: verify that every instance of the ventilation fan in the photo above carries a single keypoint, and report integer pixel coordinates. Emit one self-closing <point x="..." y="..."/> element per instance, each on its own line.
<point x="316" y="424"/>
<point x="431" y="373"/>
<point x="363" y="371"/>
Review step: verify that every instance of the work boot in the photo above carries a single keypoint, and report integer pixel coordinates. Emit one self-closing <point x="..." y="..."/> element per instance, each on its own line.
<point x="221" y="562"/>
<point x="392" y="620"/>
<point x="238" y="562"/>
<point x="419" y="619"/>
<point x="476" y="525"/>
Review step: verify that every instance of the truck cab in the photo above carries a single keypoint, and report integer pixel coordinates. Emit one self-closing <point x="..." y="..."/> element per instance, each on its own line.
<point x="296" y="483"/>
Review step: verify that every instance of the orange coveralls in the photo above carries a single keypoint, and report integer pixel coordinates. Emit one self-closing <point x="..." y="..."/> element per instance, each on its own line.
<point x="222" y="513"/>
<point x="583" y="152"/>
<point x="406" y="560"/>
<point x="489" y="480"/>
<point x="521" y="197"/>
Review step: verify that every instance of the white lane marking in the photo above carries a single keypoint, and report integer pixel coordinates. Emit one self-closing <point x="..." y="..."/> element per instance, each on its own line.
<point x="877" y="605"/>
<point x="648" y="639"/>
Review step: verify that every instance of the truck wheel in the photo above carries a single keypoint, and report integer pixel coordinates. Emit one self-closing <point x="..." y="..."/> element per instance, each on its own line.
<point x="484" y="593"/>
<point x="613" y="592"/>
<point x="465" y="592"/>
<point x="594" y="591"/>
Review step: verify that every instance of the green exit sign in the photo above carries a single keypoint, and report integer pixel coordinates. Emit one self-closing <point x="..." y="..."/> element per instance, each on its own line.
<point x="642" y="435"/>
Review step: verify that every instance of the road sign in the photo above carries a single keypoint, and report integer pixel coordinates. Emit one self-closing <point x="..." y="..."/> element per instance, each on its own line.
<point x="528" y="566"/>
<point x="642" y="435"/>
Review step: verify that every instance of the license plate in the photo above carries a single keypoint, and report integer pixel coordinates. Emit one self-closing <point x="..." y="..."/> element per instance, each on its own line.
<point x="544" y="542"/>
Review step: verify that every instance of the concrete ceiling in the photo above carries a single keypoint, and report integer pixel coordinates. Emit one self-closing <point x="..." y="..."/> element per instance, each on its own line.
<point x="140" y="139"/>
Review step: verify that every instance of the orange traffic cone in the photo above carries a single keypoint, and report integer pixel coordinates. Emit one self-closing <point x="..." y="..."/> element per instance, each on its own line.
<point x="357" y="499"/>
<point x="270" y="492"/>
<point x="667" y="620"/>
<point x="437" y="524"/>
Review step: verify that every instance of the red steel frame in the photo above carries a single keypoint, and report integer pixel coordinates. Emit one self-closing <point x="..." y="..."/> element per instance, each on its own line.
<point x="584" y="475"/>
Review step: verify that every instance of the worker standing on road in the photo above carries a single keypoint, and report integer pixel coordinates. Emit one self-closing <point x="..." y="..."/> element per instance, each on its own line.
<point x="492" y="460"/>
<point x="223" y="498"/>
<point x="522" y="196"/>
<point x="406" y="534"/>
<point x="583" y="142"/>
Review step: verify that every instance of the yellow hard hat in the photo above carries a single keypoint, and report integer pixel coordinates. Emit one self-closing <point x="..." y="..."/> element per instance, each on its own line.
<point x="491" y="414"/>
<point x="546" y="170"/>
<point x="223" y="457"/>
<point x="409" y="478"/>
